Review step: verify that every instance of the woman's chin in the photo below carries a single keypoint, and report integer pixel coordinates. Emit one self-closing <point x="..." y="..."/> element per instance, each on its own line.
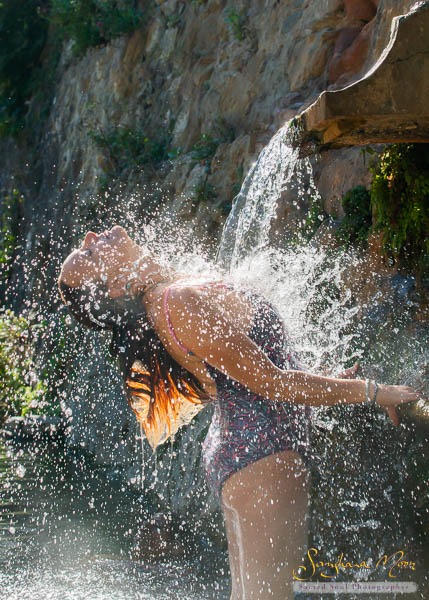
<point x="119" y="230"/>
<point x="119" y="233"/>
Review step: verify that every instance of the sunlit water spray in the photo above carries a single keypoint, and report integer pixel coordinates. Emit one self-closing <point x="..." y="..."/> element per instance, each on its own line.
<point x="85" y="553"/>
<point x="66" y="533"/>
<point x="326" y="328"/>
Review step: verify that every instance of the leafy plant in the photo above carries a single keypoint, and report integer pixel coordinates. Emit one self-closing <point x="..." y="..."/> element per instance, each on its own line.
<point x="17" y="389"/>
<point x="128" y="149"/>
<point x="357" y="220"/>
<point x="173" y="20"/>
<point x="94" y="22"/>
<point x="204" y="192"/>
<point x="56" y="346"/>
<point x="400" y="201"/>
<point x="222" y="131"/>
<point x="34" y="358"/>
<point x="9" y="231"/>
<point x="367" y="151"/>
<point x="314" y="218"/>
<point x="205" y="148"/>
<point x="23" y="34"/>
<point x="43" y="88"/>
<point x="174" y="153"/>
<point x="236" y="21"/>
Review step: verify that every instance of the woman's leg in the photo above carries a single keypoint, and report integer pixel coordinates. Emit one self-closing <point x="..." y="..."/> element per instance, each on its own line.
<point x="266" y="509"/>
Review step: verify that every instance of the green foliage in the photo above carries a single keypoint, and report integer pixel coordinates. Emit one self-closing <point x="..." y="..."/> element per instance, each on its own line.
<point x="173" y="20"/>
<point x="18" y="389"/>
<point x="33" y="364"/>
<point x="94" y="22"/>
<point x="357" y="220"/>
<point x="24" y="40"/>
<point x="174" y="153"/>
<point x="400" y="201"/>
<point x="222" y="131"/>
<point x="128" y="149"/>
<point x="367" y="150"/>
<point x="204" y="192"/>
<point x="57" y="344"/>
<point x="236" y="21"/>
<point x="9" y="224"/>
<point x="205" y="149"/>
<point x="23" y="33"/>
<point x="315" y="217"/>
<point x="43" y="92"/>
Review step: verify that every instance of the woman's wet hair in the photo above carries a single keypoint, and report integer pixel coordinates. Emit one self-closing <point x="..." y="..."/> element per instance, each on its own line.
<point x="158" y="380"/>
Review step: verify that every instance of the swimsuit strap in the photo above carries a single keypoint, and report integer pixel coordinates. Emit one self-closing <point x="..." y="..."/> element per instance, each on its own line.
<point x="167" y="315"/>
<point x="169" y="324"/>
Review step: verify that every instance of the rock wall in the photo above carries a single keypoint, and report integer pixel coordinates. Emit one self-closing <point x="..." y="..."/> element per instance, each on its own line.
<point x="184" y="73"/>
<point x="188" y="71"/>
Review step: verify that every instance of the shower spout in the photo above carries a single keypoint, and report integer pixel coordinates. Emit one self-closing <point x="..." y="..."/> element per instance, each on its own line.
<point x="389" y="104"/>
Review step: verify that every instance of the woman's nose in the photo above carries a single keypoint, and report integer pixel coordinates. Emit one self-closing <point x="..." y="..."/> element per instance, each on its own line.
<point x="88" y="238"/>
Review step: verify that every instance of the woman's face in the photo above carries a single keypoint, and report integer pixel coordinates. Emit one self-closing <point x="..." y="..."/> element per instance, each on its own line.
<point x="100" y="258"/>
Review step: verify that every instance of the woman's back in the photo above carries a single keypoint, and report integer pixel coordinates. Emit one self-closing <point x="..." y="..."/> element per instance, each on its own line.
<point x="245" y="426"/>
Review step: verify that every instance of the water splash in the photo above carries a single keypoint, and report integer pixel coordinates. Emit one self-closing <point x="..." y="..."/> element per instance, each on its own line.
<point x="65" y="534"/>
<point x="280" y="173"/>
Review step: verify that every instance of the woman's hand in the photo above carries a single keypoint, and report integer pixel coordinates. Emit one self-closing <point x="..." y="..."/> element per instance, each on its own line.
<point x="388" y="396"/>
<point x="391" y="396"/>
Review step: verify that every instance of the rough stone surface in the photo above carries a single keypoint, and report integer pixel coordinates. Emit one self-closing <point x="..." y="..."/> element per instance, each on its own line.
<point x="338" y="171"/>
<point x="389" y="103"/>
<point x="352" y="42"/>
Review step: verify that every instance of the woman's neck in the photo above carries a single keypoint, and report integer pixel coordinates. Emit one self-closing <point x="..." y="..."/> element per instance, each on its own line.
<point x="150" y="274"/>
<point x="152" y="277"/>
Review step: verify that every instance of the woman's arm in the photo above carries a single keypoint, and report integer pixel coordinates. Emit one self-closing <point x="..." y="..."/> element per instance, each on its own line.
<point x="206" y="331"/>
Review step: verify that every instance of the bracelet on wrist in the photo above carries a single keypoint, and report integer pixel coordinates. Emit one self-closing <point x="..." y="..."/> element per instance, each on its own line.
<point x="373" y="401"/>
<point x="367" y="391"/>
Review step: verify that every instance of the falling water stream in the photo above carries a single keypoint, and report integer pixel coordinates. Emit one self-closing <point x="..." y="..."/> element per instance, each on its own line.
<point x="67" y="533"/>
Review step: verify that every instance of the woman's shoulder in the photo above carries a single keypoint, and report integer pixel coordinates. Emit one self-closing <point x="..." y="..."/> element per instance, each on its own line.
<point x="186" y="293"/>
<point x="176" y="296"/>
<point x="193" y="286"/>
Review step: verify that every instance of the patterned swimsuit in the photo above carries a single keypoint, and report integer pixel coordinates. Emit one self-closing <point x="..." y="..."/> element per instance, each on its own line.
<point x="245" y="426"/>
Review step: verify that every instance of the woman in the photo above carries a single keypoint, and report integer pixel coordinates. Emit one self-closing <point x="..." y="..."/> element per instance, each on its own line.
<point x="182" y="343"/>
